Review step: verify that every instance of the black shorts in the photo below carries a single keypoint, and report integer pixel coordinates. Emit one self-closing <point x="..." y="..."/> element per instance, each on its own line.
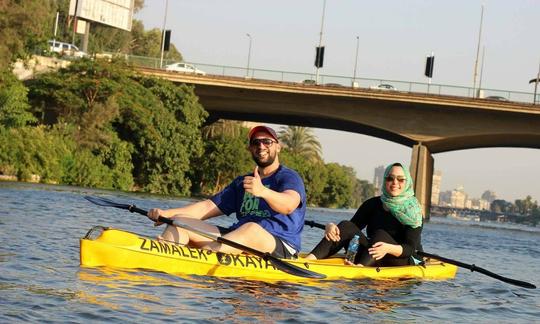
<point x="280" y="251"/>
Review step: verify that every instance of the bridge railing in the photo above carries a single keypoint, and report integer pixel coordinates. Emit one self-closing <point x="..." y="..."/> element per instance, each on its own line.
<point x="343" y="81"/>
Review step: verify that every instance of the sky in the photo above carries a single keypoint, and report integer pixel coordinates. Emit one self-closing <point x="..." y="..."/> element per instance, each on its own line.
<point x="394" y="38"/>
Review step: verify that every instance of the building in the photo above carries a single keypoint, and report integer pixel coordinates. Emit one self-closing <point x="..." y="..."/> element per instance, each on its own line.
<point x="378" y="179"/>
<point x="458" y="198"/>
<point x="445" y="198"/>
<point x="436" y="188"/>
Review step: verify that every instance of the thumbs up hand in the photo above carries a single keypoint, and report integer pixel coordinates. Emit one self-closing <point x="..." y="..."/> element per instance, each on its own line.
<point x="253" y="184"/>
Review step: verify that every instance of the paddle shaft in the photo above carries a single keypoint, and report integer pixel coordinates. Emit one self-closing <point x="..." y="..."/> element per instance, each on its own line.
<point x="471" y="267"/>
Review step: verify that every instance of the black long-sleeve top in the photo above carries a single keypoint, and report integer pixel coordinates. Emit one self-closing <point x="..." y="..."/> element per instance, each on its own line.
<point x="372" y="216"/>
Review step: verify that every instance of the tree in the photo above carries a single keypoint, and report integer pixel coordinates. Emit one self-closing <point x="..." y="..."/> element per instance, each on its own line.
<point x="119" y="116"/>
<point x="225" y="157"/>
<point x="301" y="141"/>
<point x="525" y="206"/>
<point x="14" y="107"/>
<point x="223" y="127"/>
<point x="501" y="206"/>
<point x="339" y="187"/>
<point x="24" y="28"/>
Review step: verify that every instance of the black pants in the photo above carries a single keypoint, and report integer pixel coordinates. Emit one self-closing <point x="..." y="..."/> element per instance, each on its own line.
<point x="347" y="230"/>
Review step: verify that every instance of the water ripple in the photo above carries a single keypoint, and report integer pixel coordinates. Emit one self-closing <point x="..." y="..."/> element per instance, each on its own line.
<point x="41" y="280"/>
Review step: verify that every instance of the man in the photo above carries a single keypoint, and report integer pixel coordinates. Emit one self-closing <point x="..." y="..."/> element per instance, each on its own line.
<point x="270" y="205"/>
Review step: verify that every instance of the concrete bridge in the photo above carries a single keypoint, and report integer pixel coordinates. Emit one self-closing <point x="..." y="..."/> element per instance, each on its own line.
<point x="426" y="123"/>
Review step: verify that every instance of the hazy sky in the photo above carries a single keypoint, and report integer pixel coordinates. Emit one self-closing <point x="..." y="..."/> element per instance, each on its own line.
<point x="394" y="39"/>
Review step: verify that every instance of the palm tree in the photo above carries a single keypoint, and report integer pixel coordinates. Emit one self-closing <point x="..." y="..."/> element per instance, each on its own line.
<point x="222" y="127"/>
<point x="301" y="141"/>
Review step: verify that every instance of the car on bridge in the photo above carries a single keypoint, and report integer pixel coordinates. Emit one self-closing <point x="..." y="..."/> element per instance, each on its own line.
<point x="65" y="49"/>
<point x="499" y="98"/>
<point x="384" y="86"/>
<point x="184" y="68"/>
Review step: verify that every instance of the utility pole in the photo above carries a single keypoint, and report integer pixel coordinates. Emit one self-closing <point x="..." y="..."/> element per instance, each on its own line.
<point x="55" y="29"/>
<point x="74" y="22"/>
<point x="320" y="41"/>
<point x="478" y="52"/>
<point x="480" y="91"/>
<point x="163" y="33"/>
<point x="355" y="63"/>
<point x="249" y="55"/>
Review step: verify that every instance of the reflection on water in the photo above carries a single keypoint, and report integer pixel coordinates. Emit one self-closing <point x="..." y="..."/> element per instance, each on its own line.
<point x="41" y="280"/>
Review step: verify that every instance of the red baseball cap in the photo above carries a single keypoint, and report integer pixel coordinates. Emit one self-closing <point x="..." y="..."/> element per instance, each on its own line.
<point x="265" y="129"/>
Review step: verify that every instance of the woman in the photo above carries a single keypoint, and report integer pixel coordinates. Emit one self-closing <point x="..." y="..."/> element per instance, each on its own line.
<point x="393" y="223"/>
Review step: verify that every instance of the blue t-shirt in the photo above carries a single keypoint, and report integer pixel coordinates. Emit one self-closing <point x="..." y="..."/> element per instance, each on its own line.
<point x="248" y="208"/>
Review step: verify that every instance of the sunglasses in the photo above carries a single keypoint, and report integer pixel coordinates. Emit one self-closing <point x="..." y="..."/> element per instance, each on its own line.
<point x="265" y="141"/>
<point x="392" y="178"/>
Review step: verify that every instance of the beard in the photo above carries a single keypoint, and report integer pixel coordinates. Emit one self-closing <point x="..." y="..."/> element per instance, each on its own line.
<point x="264" y="162"/>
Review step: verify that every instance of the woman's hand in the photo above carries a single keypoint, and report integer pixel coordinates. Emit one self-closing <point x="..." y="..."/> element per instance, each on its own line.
<point x="331" y="232"/>
<point x="379" y="250"/>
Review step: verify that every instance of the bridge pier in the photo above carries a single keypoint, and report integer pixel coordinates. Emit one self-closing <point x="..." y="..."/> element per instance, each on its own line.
<point x="422" y="173"/>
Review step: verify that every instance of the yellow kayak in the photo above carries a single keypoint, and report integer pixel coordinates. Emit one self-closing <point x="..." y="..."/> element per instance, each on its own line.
<point x="120" y="249"/>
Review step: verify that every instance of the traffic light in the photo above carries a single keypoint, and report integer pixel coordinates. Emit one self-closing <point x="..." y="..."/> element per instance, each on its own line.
<point x="167" y="43"/>
<point x="430" y="61"/>
<point x="319" y="56"/>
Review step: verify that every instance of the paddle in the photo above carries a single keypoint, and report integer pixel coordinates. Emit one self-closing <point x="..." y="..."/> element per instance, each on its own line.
<point x="471" y="267"/>
<point x="278" y="263"/>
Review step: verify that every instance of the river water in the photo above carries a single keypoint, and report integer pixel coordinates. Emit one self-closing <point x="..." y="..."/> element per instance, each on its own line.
<point x="41" y="279"/>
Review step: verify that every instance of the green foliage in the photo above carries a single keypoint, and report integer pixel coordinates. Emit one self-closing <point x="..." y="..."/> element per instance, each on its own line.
<point x="225" y="157"/>
<point x="54" y="156"/>
<point x="14" y="107"/>
<point x="339" y="187"/>
<point x="151" y="125"/>
<point x="24" y="27"/>
<point x="501" y="206"/>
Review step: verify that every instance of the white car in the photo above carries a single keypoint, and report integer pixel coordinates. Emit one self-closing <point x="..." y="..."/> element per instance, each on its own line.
<point x="384" y="86"/>
<point x="65" y="49"/>
<point x="184" y="67"/>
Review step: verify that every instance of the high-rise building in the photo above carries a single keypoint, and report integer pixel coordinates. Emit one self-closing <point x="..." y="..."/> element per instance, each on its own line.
<point x="458" y="198"/>
<point x="378" y="180"/>
<point x="436" y="187"/>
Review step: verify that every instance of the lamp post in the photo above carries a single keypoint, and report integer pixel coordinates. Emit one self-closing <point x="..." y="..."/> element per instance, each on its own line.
<point x="163" y="33"/>
<point x="477" y="52"/>
<point x="249" y="55"/>
<point x="355" y="63"/>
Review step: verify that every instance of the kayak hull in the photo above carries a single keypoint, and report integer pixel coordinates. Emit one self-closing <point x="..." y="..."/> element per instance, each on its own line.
<point x="120" y="249"/>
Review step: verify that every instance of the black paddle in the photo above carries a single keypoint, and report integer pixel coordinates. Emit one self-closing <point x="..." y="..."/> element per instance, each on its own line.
<point x="471" y="267"/>
<point x="278" y="263"/>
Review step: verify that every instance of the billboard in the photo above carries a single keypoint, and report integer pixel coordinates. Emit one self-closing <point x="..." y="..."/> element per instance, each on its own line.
<point x="115" y="13"/>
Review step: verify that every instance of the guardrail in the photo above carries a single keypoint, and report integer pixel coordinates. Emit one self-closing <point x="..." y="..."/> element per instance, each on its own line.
<point x="343" y="81"/>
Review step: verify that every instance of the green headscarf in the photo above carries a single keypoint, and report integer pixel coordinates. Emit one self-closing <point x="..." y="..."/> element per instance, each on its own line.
<point x="405" y="207"/>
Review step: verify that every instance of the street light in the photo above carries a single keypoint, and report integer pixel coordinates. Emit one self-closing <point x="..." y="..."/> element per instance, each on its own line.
<point x="354" y="84"/>
<point x="249" y="55"/>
